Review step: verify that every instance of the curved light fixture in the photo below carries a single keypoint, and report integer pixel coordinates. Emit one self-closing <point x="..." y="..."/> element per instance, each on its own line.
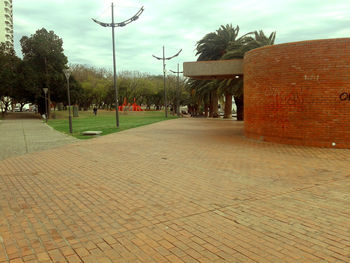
<point x="123" y="23"/>
<point x="164" y="58"/>
<point x="113" y="25"/>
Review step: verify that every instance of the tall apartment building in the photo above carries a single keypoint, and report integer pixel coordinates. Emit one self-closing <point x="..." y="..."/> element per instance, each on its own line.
<point x="6" y="22"/>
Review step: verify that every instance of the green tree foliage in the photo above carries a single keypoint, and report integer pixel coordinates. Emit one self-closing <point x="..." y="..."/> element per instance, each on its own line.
<point x="224" y="43"/>
<point x="43" y="51"/>
<point x="130" y="85"/>
<point x="22" y="81"/>
<point x="153" y="91"/>
<point x="214" y="46"/>
<point x="97" y="88"/>
<point x="76" y="93"/>
<point x="176" y="92"/>
<point x="200" y="92"/>
<point x="8" y="74"/>
<point x="95" y="83"/>
<point x="25" y="89"/>
<point x="237" y="49"/>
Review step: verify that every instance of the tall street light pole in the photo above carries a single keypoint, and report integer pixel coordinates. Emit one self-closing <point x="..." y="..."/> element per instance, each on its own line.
<point x="164" y="71"/>
<point x="45" y="91"/>
<point x="178" y="89"/>
<point x="67" y="73"/>
<point x="113" y="25"/>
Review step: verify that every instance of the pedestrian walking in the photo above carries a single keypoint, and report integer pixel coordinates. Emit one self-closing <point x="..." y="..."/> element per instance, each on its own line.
<point x="95" y="110"/>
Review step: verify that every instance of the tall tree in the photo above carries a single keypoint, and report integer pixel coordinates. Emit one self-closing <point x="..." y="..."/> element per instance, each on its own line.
<point x="200" y="92"/>
<point x="214" y="46"/>
<point x="236" y="49"/>
<point x="44" y="52"/>
<point x="225" y="44"/>
<point x="25" y="89"/>
<point x="8" y="77"/>
<point x="96" y="84"/>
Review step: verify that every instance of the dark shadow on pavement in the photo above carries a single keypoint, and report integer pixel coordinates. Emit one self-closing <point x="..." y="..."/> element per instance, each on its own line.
<point x="21" y="115"/>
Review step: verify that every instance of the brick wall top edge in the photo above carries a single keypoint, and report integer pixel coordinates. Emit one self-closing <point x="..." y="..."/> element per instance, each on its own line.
<point x="297" y="43"/>
<point x="206" y="61"/>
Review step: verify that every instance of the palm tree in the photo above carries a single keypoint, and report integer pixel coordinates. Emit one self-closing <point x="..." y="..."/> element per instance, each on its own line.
<point x="199" y="94"/>
<point x="237" y="49"/>
<point x="250" y="41"/>
<point x="231" y="88"/>
<point x="213" y="46"/>
<point x="222" y="44"/>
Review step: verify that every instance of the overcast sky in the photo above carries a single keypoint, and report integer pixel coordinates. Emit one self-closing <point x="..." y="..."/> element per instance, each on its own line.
<point x="175" y="24"/>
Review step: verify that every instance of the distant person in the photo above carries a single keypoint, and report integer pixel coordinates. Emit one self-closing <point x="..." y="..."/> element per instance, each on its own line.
<point x="95" y="110"/>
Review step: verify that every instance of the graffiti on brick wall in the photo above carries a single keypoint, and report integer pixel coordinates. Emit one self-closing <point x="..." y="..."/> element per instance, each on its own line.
<point x="344" y="96"/>
<point x="312" y="77"/>
<point x="293" y="98"/>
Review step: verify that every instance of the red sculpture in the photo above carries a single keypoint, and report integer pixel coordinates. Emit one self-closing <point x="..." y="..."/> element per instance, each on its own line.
<point x="126" y="106"/>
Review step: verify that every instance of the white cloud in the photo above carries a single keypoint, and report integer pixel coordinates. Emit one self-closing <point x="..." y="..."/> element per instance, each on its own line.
<point x="175" y="24"/>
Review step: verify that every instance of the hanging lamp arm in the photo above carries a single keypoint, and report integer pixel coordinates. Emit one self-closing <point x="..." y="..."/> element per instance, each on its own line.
<point x="120" y="24"/>
<point x="174" y="55"/>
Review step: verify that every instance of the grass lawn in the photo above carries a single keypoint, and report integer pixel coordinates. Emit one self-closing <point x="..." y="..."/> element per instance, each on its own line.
<point x="104" y="121"/>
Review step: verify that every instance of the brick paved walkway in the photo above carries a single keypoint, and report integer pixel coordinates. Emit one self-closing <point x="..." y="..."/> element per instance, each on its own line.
<point x="22" y="133"/>
<point x="185" y="190"/>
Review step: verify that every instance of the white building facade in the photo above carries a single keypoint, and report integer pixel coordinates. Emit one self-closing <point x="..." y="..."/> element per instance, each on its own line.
<point x="6" y="22"/>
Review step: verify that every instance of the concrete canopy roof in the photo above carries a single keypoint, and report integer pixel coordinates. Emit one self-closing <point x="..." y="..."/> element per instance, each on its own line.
<point x="215" y="69"/>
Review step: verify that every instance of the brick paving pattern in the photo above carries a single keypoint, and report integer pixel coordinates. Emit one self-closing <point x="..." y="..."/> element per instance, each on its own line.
<point x="22" y="133"/>
<point x="185" y="190"/>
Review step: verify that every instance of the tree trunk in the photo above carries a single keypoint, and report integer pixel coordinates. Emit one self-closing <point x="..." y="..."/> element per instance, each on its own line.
<point x="206" y="110"/>
<point x="173" y="108"/>
<point x="210" y="106"/>
<point x="214" y="104"/>
<point x="240" y="107"/>
<point x="48" y="104"/>
<point x="228" y="106"/>
<point x="48" y="93"/>
<point x="21" y="107"/>
<point x="13" y="105"/>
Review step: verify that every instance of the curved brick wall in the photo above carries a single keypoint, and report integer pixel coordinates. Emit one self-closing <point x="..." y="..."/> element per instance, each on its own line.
<point x="299" y="93"/>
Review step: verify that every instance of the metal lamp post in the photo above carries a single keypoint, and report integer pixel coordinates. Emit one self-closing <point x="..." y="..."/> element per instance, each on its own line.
<point x="164" y="58"/>
<point x="113" y="25"/>
<point x="45" y="91"/>
<point x="178" y="89"/>
<point x="67" y="73"/>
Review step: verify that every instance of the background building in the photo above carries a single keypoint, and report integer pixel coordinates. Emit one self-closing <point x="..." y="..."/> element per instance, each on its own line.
<point x="6" y="22"/>
<point x="294" y="93"/>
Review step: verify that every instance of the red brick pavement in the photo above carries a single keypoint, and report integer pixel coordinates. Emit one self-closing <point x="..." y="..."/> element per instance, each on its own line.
<point x="185" y="190"/>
